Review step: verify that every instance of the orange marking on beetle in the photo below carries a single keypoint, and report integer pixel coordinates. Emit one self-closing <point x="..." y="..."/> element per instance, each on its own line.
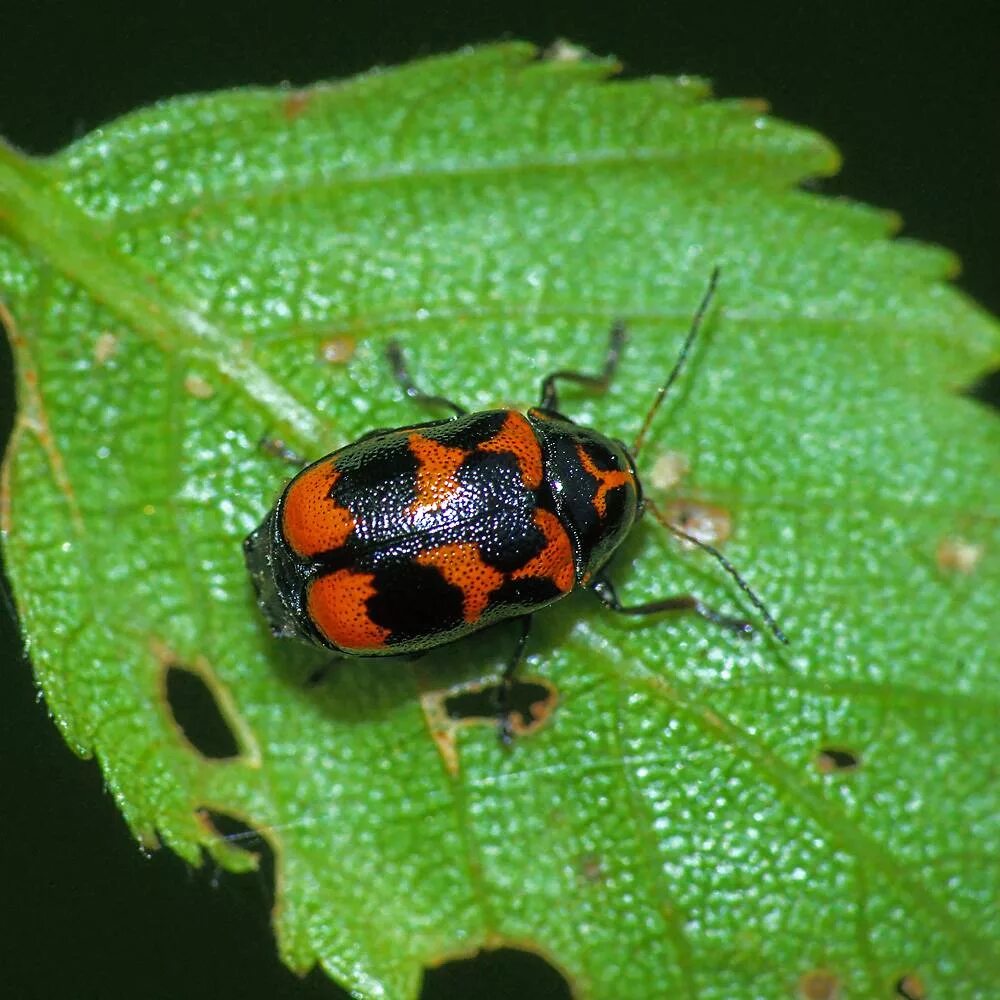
<point x="462" y="566"/>
<point x="555" y="561"/>
<point x="311" y="521"/>
<point x="607" y="479"/>
<point x="338" y="605"/>
<point x="437" y="472"/>
<point x="518" y="439"/>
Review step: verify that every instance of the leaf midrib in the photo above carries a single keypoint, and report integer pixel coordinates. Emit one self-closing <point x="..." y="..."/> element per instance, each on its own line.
<point x="46" y="222"/>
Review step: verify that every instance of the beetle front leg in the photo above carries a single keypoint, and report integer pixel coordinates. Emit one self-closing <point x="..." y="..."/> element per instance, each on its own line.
<point x="605" y="592"/>
<point x="276" y="448"/>
<point x="401" y="373"/>
<point x="502" y="697"/>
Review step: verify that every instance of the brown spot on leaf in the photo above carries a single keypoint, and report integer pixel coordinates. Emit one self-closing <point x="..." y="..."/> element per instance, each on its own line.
<point x="590" y="868"/>
<point x="668" y="470"/>
<point x="200" y="388"/>
<point x="713" y="719"/>
<point x="105" y="347"/>
<point x="295" y="104"/>
<point x="911" y="987"/>
<point x="709" y="523"/>
<point x="819" y="984"/>
<point x="337" y="350"/>
<point x="955" y="555"/>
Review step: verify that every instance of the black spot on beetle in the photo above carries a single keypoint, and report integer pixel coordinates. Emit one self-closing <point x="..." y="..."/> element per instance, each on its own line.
<point x="409" y="596"/>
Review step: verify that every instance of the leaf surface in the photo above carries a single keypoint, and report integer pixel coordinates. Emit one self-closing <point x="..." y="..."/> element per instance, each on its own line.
<point x="175" y="286"/>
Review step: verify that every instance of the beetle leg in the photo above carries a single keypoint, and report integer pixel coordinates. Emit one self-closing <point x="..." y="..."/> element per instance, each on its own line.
<point x="276" y="448"/>
<point x="616" y="341"/>
<point x="402" y="375"/>
<point x="502" y="696"/>
<point x="605" y="592"/>
<point x="320" y="674"/>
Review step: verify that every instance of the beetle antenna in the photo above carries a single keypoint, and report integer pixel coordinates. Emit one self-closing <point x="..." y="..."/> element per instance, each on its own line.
<point x="726" y="565"/>
<point x="661" y="393"/>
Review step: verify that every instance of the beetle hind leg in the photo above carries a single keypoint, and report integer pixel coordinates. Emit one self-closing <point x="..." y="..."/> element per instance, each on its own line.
<point x="503" y="693"/>
<point x="606" y="594"/>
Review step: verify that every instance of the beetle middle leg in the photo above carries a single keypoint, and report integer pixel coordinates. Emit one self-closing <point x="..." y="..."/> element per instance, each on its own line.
<point x="319" y="674"/>
<point x="616" y="341"/>
<point x="606" y="594"/>
<point x="504" y="690"/>
<point x="401" y="374"/>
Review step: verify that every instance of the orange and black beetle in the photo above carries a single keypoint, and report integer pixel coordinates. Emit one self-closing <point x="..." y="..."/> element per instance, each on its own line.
<point x="411" y="538"/>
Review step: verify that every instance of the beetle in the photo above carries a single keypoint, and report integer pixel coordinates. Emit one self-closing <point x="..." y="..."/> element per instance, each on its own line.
<point x="413" y="537"/>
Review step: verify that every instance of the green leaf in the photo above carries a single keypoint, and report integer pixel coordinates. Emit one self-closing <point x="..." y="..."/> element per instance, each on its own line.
<point x="683" y="824"/>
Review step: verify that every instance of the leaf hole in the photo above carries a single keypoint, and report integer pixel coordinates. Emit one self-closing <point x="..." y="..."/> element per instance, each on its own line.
<point x="241" y="834"/>
<point x="496" y="975"/>
<point x="531" y="705"/>
<point x="197" y="714"/>
<point x="835" y="760"/>
<point x="819" y="984"/>
<point x="234" y="830"/>
<point x="910" y="987"/>
<point x="986" y="389"/>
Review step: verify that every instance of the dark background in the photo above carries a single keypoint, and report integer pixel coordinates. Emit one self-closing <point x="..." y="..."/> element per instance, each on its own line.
<point x="911" y="99"/>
